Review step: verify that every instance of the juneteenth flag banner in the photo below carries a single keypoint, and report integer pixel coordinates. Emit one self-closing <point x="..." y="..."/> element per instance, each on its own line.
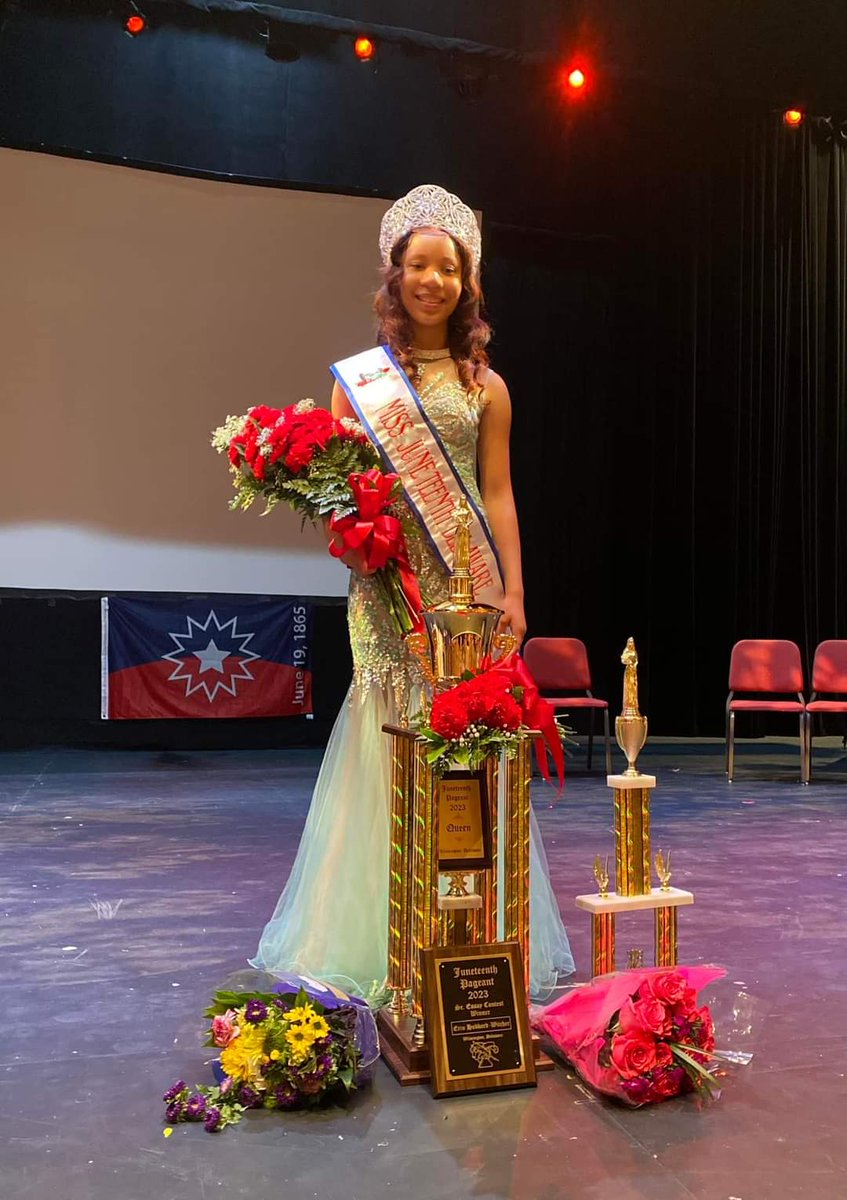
<point x="228" y="656"/>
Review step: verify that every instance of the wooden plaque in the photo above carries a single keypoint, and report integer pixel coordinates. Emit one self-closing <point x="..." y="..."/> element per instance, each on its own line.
<point x="476" y="1018"/>
<point x="464" y="838"/>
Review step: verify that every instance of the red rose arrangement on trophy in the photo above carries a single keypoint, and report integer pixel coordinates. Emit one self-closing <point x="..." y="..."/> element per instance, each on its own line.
<point x="326" y="469"/>
<point x="488" y="713"/>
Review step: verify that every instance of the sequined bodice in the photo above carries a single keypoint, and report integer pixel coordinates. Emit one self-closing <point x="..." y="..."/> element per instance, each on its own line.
<point x="379" y="656"/>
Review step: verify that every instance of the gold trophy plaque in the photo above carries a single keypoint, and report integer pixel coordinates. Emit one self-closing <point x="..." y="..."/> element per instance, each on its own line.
<point x="464" y="838"/>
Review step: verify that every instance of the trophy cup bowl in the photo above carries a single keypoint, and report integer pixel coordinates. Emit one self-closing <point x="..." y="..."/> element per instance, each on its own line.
<point x="460" y="637"/>
<point x="631" y="734"/>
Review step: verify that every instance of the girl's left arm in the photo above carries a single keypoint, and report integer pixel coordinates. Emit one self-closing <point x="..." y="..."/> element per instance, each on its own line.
<point x="496" y="486"/>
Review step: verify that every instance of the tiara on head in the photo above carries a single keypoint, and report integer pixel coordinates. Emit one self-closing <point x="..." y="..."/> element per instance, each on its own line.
<point x="430" y="204"/>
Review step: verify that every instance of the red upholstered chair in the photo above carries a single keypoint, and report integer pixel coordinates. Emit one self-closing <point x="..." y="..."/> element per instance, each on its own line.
<point x="765" y="666"/>
<point x="829" y="675"/>
<point x="560" y="668"/>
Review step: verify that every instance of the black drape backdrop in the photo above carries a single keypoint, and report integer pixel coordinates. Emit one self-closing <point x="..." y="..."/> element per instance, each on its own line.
<point x="680" y="415"/>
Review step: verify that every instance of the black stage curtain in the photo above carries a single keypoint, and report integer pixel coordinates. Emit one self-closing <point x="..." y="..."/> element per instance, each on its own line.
<point x="679" y="446"/>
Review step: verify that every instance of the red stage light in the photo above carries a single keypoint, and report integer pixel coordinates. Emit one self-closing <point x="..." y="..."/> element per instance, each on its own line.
<point x="135" y="24"/>
<point x="364" y="49"/>
<point x="793" y="117"/>
<point x="576" y="79"/>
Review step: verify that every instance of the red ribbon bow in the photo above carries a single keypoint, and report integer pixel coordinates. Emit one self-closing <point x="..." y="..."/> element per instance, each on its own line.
<point x="538" y="713"/>
<point x="378" y="534"/>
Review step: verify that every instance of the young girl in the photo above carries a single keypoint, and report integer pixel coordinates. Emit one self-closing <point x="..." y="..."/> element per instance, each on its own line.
<point x="331" y="920"/>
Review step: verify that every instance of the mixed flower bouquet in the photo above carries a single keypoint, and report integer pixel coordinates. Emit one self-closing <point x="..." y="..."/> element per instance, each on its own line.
<point x="640" y="1035"/>
<point x="277" y="1050"/>
<point x="325" y="469"/>
<point x="485" y="714"/>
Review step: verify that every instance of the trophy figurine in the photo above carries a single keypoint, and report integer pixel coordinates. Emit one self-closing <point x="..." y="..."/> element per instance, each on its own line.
<point x="630" y="726"/>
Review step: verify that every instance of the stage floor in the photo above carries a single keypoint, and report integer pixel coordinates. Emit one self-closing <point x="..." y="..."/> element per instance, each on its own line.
<point x="134" y="881"/>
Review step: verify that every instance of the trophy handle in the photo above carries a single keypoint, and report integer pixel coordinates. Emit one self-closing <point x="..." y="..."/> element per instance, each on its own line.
<point x="418" y="644"/>
<point x="506" y="643"/>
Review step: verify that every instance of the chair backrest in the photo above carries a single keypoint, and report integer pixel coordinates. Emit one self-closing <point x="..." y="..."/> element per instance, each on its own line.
<point x="829" y="673"/>
<point x="558" y="664"/>
<point x="765" y="665"/>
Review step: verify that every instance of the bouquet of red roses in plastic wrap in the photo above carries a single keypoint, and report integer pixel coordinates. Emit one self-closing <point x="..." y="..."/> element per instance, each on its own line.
<point x="641" y="1035"/>
<point x="325" y="469"/>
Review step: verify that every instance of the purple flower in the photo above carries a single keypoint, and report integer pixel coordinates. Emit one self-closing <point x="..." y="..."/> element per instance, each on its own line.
<point x="195" y="1107"/>
<point x="682" y="1028"/>
<point x="213" y="1119"/>
<point x="173" y="1092"/>
<point x="286" y="1096"/>
<point x="226" y="1086"/>
<point x="638" y="1090"/>
<point x="249" y="1097"/>
<point x="255" y="1012"/>
<point x="174" y="1111"/>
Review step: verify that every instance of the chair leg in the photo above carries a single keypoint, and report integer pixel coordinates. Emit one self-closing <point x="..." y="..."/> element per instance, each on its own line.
<point x="590" y="737"/>
<point x="608" y="741"/>
<point x="730" y="746"/>
<point x="806" y="747"/>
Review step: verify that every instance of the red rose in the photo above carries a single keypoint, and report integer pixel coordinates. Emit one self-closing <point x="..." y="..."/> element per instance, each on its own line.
<point x="687" y="1006"/>
<point x="263" y="415"/>
<point x="299" y="456"/>
<point x="664" y="1054"/>
<point x="668" y="986"/>
<point x="648" y="1014"/>
<point x="449" y="716"/>
<point x="633" y="1053"/>
<point x="505" y="713"/>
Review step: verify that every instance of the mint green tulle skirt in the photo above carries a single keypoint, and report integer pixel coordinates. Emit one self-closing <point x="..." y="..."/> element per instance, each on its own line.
<point x="331" y="920"/>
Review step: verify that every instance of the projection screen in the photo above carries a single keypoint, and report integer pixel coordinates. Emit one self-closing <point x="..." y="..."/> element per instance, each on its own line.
<point x="137" y="310"/>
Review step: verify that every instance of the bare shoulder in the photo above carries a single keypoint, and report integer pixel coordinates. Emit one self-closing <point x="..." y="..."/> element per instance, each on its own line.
<point x="494" y="394"/>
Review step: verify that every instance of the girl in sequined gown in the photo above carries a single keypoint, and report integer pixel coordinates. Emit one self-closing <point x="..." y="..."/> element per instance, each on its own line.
<point x="332" y="917"/>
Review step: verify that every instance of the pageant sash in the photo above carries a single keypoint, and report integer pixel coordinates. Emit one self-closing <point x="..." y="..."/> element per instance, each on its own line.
<point x="391" y="412"/>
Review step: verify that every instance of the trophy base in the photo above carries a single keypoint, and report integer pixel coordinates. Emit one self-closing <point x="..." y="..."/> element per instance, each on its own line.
<point x="409" y="1063"/>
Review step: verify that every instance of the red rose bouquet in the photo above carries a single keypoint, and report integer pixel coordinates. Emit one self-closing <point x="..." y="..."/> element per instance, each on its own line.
<point x="640" y="1035"/>
<point x="484" y="714"/>
<point x="325" y="469"/>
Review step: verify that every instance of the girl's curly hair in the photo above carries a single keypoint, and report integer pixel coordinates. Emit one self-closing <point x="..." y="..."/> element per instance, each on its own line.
<point x="468" y="333"/>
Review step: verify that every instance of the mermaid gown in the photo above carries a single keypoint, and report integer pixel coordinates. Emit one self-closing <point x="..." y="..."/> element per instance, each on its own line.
<point x="331" y="920"/>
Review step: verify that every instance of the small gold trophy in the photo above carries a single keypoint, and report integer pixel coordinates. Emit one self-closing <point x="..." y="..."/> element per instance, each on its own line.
<point x="663" y="869"/>
<point x="459" y="632"/>
<point x="601" y="875"/>
<point x="631" y="726"/>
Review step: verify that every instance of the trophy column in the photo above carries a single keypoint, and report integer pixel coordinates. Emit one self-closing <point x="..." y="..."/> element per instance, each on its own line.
<point x="399" y="873"/>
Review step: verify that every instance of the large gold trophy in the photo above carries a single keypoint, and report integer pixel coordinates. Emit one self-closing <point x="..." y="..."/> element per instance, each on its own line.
<point x="444" y="885"/>
<point x="633" y="886"/>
